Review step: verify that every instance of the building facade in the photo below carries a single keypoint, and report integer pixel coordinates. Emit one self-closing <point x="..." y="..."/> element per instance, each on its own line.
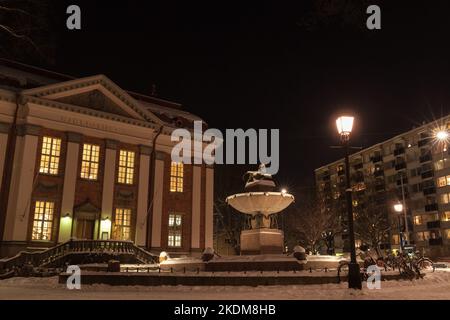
<point x="83" y="158"/>
<point x="414" y="166"/>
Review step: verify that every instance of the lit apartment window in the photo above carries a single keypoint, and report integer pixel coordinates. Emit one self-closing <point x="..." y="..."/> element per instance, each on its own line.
<point x="423" y="236"/>
<point x="417" y="220"/>
<point x="126" y="167"/>
<point x="445" y="198"/>
<point x="122" y="224"/>
<point x="43" y="220"/>
<point x="441" y="164"/>
<point x="90" y="160"/>
<point x="444" y="181"/>
<point x="447" y="233"/>
<point x="446" y="216"/>
<point x="175" y="231"/>
<point x="50" y="152"/>
<point x="176" y="177"/>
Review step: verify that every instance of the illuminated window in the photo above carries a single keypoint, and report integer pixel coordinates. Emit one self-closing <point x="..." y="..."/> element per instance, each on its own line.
<point x="122" y="224"/>
<point x="90" y="160"/>
<point x="175" y="230"/>
<point x="50" y="152"/>
<point x="43" y="220"/>
<point x="444" y="181"/>
<point x="446" y="216"/>
<point x="447" y="233"/>
<point x="417" y="220"/>
<point x="176" y="177"/>
<point x="126" y="167"/>
<point x="445" y="198"/>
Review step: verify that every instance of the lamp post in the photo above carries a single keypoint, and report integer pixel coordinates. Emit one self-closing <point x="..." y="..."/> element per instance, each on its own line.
<point x="398" y="207"/>
<point x="344" y="126"/>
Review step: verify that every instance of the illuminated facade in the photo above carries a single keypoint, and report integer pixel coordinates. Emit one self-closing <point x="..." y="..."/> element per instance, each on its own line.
<point x="417" y="163"/>
<point x="83" y="158"/>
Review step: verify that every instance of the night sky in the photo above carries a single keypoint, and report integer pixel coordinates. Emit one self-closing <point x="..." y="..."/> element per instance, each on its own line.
<point x="290" y="66"/>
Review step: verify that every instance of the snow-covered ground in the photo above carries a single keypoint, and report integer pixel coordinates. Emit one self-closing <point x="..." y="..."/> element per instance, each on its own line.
<point x="435" y="286"/>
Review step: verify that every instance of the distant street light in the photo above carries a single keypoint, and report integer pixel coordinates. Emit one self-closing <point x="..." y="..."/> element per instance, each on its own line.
<point x="344" y="126"/>
<point x="398" y="207"/>
<point x="442" y="135"/>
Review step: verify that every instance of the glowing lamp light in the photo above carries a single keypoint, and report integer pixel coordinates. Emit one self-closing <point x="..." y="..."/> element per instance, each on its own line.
<point x="442" y="135"/>
<point x="105" y="225"/>
<point x="398" y="207"/>
<point x="344" y="125"/>
<point x="283" y="191"/>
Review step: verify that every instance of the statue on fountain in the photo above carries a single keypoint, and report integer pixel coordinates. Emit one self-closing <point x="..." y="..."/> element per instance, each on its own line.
<point x="261" y="202"/>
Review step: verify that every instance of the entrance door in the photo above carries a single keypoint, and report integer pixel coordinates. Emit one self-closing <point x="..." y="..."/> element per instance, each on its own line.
<point x="85" y="229"/>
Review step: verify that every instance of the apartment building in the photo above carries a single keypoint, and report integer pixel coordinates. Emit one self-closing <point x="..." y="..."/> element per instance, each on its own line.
<point x="414" y="168"/>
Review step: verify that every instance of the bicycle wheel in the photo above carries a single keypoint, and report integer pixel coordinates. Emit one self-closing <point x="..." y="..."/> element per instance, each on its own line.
<point x="342" y="271"/>
<point x="425" y="264"/>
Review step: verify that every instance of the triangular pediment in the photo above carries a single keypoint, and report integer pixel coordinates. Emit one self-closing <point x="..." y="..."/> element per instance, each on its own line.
<point x="97" y="93"/>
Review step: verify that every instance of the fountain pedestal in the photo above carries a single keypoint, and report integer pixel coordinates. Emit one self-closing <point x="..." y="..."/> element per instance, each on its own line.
<point x="262" y="241"/>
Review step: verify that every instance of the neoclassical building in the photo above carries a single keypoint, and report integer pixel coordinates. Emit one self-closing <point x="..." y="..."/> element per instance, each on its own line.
<point x="83" y="158"/>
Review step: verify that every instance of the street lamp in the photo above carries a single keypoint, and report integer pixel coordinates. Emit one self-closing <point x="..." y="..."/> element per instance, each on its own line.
<point x="442" y="135"/>
<point x="398" y="207"/>
<point x="344" y="126"/>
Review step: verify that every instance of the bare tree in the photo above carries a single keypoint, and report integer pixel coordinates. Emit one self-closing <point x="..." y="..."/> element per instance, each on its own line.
<point x="314" y="223"/>
<point x="370" y="215"/>
<point x="24" y="30"/>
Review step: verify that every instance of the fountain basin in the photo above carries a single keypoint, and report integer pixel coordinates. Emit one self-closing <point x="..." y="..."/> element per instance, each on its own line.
<point x="265" y="203"/>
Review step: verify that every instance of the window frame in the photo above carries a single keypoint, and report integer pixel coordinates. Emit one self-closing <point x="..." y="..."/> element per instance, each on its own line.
<point x="176" y="182"/>
<point x="175" y="230"/>
<point x="119" y="228"/>
<point x="90" y="162"/>
<point x="43" y="220"/>
<point x="127" y="166"/>
<point x="48" y="166"/>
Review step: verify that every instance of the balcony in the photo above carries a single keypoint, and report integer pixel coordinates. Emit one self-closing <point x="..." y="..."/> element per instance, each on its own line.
<point x="423" y="142"/>
<point x="358" y="166"/>
<point x="400" y="166"/>
<point x="399" y="151"/>
<point x="427" y="174"/>
<point x="399" y="181"/>
<point x="377" y="159"/>
<point x="434" y="224"/>
<point x="428" y="191"/>
<point x="435" y="242"/>
<point x="378" y="173"/>
<point x="341" y="172"/>
<point x="431" y="207"/>
<point x="326" y="178"/>
<point x="380" y="187"/>
<point x="425" y="158"/>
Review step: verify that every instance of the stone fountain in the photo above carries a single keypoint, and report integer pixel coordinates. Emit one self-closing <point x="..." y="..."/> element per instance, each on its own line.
<point x="261" y="203"/>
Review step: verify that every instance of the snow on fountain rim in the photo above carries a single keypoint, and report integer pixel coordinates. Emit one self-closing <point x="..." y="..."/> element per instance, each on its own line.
<point x="248" y="202"/>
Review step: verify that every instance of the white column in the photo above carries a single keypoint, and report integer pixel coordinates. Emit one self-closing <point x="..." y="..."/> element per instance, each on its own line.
<point x="109" y="176"/>
<point x="70" y="180"/>
<point x="209" y="207"/>
<point x="142" y="205"/>
<point x="196" y="206"/>
<point x="3" y="142"/>
<point x="157" y="202"/>
<point x="19" y="203"/>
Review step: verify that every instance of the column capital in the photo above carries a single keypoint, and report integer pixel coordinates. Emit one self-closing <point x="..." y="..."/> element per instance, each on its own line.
<point x="74" y="137"/>
<point x="29" y="129"/>
<point x="111" y="144"/>
<point x="145" y="150"/>
<point x="160" y="155"/>
<point x="4" y="127"/>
